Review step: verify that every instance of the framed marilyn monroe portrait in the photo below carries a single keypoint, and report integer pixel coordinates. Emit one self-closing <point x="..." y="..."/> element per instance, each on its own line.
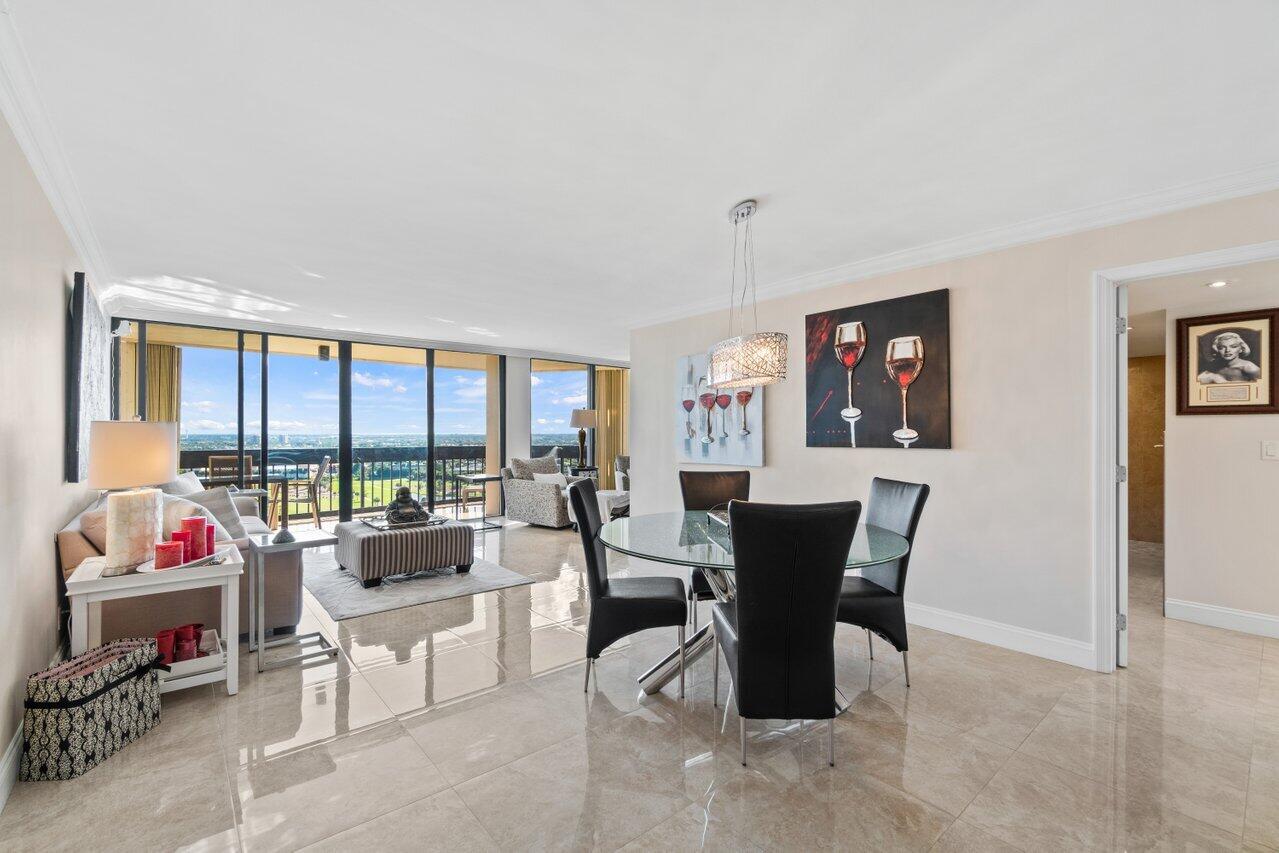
<point x="1226" y="364"/>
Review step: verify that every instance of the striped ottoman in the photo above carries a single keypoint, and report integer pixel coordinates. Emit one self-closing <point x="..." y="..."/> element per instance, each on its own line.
<point x="372" y="554"/>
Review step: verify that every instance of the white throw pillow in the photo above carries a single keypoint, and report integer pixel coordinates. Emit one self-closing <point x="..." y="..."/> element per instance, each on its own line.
<point x="186" y="484"/>
<point x="218" y="501"/>
<point x="558" y="479"/>
<point x="174" y="509"/>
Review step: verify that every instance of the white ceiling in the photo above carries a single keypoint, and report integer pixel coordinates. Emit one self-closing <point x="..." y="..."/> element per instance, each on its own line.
<point x="546" y="175"/>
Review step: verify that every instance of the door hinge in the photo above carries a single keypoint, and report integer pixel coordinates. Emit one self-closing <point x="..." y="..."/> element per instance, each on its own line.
<point x="1121" y="474"/>
<point x="1121" y="621"/>
<point x="1121" y="325"/>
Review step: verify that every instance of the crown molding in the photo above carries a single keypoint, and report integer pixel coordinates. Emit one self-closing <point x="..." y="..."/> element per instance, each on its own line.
<point x="1235" y="185"/>
<point x="141" y="311"/>
<point x="23" y="109"/>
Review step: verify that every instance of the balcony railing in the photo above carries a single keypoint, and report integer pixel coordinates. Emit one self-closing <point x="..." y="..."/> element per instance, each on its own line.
<point x="376" y="473"/>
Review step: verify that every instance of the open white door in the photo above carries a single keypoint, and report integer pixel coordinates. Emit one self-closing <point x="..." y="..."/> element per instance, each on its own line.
<point x="1121" y="475"/>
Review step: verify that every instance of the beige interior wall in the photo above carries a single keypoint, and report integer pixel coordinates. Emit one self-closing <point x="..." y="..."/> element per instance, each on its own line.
<point x="1221" y="546"/>
<point x="1008" y="533"/>
<point x="1146" y="448"/>
<point x="36" y="268"/>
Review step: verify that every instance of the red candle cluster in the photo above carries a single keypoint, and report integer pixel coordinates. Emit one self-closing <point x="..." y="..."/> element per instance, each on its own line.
<point x="195" y="525"/>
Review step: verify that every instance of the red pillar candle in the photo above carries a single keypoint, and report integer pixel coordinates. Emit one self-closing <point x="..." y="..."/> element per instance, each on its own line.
<point x="208" y="539"/>
<point x="183" y="537"/>
<point x="168" y="555"/>
<point x="195" y="525"/>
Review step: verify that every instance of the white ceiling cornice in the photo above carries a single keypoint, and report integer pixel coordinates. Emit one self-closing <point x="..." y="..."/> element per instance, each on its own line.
<point x="1235" y="185"/>
<point x="22" y="108"/>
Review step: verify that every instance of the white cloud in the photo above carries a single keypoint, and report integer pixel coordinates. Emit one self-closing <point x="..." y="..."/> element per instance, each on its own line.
<point x="535" y="380"/>
<point x="399" y="389"/>
<point x="206" y="425"/>
<point x="542" y="421"/>
<point x="477" y="388"/>
<point x="289" y="425"/>
<point x="370" y="381"/>
<point x="199" y="405"/>
<point x="558" y="421"/>
<point x="571" y="400"/>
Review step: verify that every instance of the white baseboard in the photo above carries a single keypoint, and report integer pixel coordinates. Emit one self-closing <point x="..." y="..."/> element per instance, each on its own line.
<point x="1051" y="646"/>
<point x="9" y="766"/>
<point x="1246" y="621"/>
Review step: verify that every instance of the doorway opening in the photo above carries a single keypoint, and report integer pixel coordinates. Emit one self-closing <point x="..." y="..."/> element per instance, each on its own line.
<point x="1178" y="551"/>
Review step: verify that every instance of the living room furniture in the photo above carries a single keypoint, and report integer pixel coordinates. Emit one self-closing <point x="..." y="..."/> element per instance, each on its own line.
<point x="613" y="503"/>
<point x="622" y="606"/>
<point x="304" y="492"/>
<point x="876" y="600"/>
<point x="260" y="546"/>
<point x="691" y="539"/>
<point x="143" y="617"/>
<point x="87" y="585"/>
<point x="225" y="470"/>
<point x="371" y="554"/>
<point x="778" y="633"/>
<point x="473" y="482"/>
<point x="622" y="473"/>
<point x="527" y="500"/>
<point x="703" y="490"/>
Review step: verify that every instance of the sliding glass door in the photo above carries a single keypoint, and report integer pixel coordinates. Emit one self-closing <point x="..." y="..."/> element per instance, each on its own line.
<point x="467" y="429"/>
<point x="301" y="431"/>
<point x="389" y="435"/>
<point x="558" y="387"/>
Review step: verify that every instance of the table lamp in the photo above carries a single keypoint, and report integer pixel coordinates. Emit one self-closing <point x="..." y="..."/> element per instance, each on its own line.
<point x="583" y="419"/>
<point x="124" y="456"/>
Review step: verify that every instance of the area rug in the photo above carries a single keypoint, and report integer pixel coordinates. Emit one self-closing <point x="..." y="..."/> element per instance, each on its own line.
<point x="344" y="597"/>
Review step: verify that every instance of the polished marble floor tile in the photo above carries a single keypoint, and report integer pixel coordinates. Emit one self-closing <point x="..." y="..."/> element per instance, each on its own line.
<point x="463" y="725"/>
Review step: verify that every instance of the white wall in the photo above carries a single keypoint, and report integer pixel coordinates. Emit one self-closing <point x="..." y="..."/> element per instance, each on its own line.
<point x="1004" y="552"/>
<point x="36" y="267"/>
<point x="1221" y="505"/>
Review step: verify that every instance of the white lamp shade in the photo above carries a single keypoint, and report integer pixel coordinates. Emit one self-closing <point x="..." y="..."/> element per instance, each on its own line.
<point x="583" y="419"/>
<point x="128" y="454"/>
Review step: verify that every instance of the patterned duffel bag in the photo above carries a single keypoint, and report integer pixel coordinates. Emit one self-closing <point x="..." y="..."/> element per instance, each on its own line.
<point x="85" y="710"/>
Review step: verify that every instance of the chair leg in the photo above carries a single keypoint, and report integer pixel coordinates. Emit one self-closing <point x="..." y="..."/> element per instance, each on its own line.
<point x="741" y="725"/>
<point x="906" y="666"/>
<point x="870" y="644"/>
<point x="830" y="736"/>
<point x="315" y="506"/>
<point x="586" y="686"/>
<point x="714" y="671"/>
<point x="692" y="610"/>
<point x="681" y="661"/>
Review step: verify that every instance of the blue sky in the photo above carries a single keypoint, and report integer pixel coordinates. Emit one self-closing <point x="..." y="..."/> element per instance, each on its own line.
<point x="387" y="399"/>
<point x="556" y="393"/>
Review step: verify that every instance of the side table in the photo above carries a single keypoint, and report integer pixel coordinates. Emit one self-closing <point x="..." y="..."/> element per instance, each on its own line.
<point x="259" y="545"/>
<point x="483" y="480"/>
<point x="87" y="586"/>
<point x="585" y="471"/>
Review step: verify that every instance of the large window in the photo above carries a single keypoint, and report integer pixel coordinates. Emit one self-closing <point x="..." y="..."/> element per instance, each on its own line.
<point x="389" y="436"/>
<point x="558" y="388"/>
<point x="212" y="382"/>
<point x="467" y="425"/>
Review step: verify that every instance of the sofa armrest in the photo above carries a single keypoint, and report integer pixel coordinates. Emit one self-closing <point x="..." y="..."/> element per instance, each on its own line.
<point x="245" y="506"/>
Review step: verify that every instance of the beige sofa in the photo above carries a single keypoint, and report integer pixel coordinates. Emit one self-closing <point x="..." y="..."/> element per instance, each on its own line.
<point x="144" y="616"/>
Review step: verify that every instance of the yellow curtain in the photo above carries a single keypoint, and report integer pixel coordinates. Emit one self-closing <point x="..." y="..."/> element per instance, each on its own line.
<point x="612" y="403"/>
<point x="164" y="383"/>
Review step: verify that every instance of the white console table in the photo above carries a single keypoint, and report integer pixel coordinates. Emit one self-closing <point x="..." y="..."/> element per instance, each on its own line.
<point x="87" y="586"/>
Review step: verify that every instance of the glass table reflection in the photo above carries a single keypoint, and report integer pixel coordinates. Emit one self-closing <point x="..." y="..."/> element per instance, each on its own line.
<point x="693" y="539"/>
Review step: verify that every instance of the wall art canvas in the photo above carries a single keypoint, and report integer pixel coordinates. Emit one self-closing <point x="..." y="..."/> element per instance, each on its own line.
<point x="878" y="375"/>
<point x="1226" y="364"/>
<point x="723" y="427"/>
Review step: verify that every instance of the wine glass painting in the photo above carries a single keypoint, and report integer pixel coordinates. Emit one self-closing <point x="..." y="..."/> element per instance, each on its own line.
<point x="905" y="405"/>
<point x="721" y="426"/>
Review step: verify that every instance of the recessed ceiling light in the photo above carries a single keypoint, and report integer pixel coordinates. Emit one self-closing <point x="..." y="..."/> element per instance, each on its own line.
<point x="1218" y="283"/>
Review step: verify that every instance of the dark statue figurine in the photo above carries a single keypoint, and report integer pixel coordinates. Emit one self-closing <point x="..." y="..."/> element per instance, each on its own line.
<point x="405" y="510"/>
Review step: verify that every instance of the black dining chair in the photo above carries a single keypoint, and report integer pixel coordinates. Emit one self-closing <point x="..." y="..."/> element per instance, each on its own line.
<point x="778" y="633"/>
<point x="710" y="490"/>
<point x="621" y="606"/>
<point x="876" y="601"/>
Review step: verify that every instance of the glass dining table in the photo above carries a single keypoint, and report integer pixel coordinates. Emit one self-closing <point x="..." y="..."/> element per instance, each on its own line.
<point x="693" y="539"/>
